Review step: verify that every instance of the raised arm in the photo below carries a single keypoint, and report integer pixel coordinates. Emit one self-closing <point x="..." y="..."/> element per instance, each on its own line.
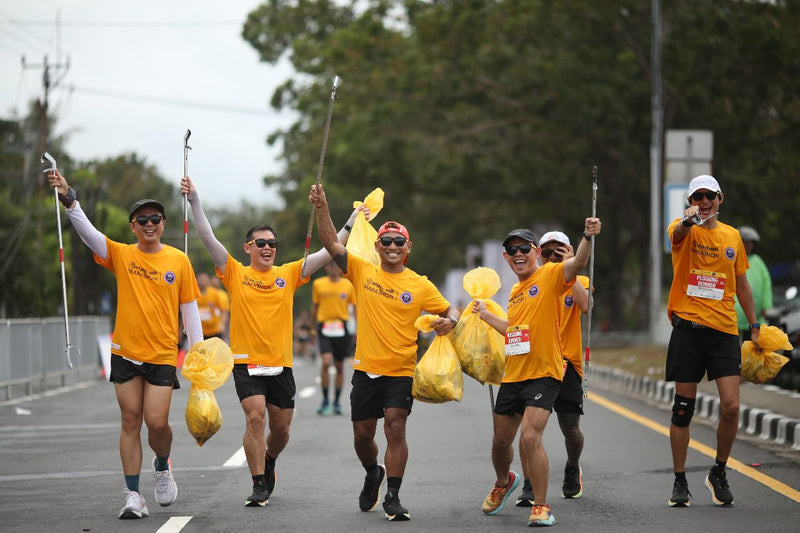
<point x="575" y="264"/>
<point x="327" y="232"/>
<point x="215" y="248"/>
<point x="90" y="235"/>
<point x="319" y="258"/>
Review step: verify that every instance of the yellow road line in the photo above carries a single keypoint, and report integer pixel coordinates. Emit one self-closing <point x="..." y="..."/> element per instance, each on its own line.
<point x="752" y="473"/>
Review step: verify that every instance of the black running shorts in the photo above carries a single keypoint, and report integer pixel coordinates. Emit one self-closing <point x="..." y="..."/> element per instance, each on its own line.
<point x="123" y="370"/>
<point x="570" y="394"/>
<point x="695" y="352"/>
<point x="513" y="398"/>
<point x="370" y="397"/>
<point x="340" y="347"/>
<point x="278" y="390"/>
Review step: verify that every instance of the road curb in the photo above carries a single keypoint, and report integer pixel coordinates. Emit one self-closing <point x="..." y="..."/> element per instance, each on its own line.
<point x="755" y="421"/>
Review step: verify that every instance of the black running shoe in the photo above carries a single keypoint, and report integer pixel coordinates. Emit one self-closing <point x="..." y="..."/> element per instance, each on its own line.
<point x="272" y="478"/>
<point x="680" y="494"/>
<point x="259" y="498"/>
<point x="573" y="482"/>
<point x="526" y="497"/>
<point x="371" y="493"/>
<point x="717" y="484"/>
<point x="395" y="512"/>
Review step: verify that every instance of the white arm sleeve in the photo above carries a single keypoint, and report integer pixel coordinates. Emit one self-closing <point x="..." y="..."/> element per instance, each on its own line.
<point x="90" y="235"/>
<point x="319" y="258"/>
<point x="191" y="322"/>
<point x="215" y="248"/>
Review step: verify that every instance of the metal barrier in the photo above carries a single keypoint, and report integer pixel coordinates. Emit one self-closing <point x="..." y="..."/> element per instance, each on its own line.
<point x="32" y="353"/>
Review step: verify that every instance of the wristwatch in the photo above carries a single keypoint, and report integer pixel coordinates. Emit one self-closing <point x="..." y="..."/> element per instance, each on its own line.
<point x="755" y="325"/>
<point x="453" y="320"/>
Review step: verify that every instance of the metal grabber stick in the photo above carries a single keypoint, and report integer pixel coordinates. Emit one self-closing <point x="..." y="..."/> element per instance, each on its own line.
<point x="591" y="285"/>
<point x="336" y="81"/>
<point x="68" y="348"/>
<point x="186" y="149"/>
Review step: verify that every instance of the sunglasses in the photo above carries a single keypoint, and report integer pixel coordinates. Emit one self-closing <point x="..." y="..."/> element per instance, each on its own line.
<point x="155" y="219"/>
<point x="272" y="243"/>
<point x="398" y="241"/>
<point x="697" y="196"/>
<point x="548" y="252"/>
<point x="524" y="248"/>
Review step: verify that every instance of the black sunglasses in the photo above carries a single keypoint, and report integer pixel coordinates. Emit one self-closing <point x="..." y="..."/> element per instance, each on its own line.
<point x="546" y="253"/>
<point x="387" y="241"/>
<point x="272" y="243"/>
<point x="524" y="248"/>
<point x="155" y="219"/>
<point x="697" y="196"/>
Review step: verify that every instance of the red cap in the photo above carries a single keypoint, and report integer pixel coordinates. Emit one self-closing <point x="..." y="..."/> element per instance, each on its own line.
<point x="395" y="227"/>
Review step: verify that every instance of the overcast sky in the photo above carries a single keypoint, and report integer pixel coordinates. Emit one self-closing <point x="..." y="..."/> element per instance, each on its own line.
<point x="127" y="61"/>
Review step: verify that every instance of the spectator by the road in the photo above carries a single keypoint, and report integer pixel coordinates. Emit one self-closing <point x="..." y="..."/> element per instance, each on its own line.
<point x="760" y="283"/>
<point x="389" y="298"/>
<point x="709" y="265"/>
<point x="262" y="302"/>
<point x="154" y="283"/>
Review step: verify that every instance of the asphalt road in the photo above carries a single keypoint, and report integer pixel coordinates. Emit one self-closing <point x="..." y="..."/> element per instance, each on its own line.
<point x="60" y="471"/>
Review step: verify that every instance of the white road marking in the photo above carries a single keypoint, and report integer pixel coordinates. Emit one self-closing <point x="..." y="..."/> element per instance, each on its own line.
<point x="174" y="524"/>
<point x="237" y="459"/>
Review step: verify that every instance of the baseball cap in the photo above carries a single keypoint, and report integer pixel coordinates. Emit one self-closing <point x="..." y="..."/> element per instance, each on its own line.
<point x="145" y="202"/>
<point x="749" y="234"/>
<point x="522" y="233"/>
<point x="554" y="236"/>
<point x="703" y="181"/>
<point x="391" y="225"/>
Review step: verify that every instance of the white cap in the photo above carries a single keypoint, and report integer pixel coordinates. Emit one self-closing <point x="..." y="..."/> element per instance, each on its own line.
<point x="703" y="181"/>
<point x="556" y="236"/>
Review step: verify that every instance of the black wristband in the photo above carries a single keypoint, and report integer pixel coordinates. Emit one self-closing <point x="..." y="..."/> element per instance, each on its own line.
<point x="687" y="222"/>
<point x="755" y="325"/>
<point x="588" y="238"/>
<point x="69" y="199"/>
<point x="348" y="228"/>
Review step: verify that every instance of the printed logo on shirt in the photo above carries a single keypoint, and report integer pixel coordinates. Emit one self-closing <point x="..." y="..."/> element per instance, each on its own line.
<point x="136" y="270"/>
<point x="169" y="277"/>
<point x="280" y="282"/>
<point x="729" y="253"/>
<point x="569" y="301"/>
<point x="406" y="297"/>
<point x="533" y="291"/>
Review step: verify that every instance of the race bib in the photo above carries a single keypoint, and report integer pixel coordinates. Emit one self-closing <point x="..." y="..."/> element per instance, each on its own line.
<point x="206" y="314"/>
<point x="518" y="340"/>
<point x="259" y="370"/>
<point x="706" y="284"/>
<point x="333" y="328"/>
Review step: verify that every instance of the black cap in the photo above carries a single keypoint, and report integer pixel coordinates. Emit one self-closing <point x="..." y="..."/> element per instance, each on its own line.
<point x="145" y="202"/>
<point x="522" y="233"/>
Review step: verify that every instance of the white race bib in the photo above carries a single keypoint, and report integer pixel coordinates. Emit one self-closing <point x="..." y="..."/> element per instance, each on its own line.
<point x="518" y="340"/>
<point x="333" y="328"/>
<point x="258" y="370"/>
<point x="706" y="284"/>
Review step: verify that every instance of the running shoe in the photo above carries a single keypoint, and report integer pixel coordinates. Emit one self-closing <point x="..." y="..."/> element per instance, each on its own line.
<point x="395" y="512"/>
<point x="134" y="506"/>
<point x="680" y="494"/>
<point x="573" y="482"/>
<point x="166" y="488"/>
<point x="259" y="498"/>
<point x="496" y="499"/>
<point x="324" y="408"/>
<point x="717" y="483"/>
<point x="541" y="516"/>
<point x="526" y="497"/>
<point x="272" y="479"/>
<point x="337" y="409"/>
<point x="371" y="493"/>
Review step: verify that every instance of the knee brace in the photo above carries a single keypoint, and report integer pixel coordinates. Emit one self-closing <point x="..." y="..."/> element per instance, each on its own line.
<point x="682" y="411"/>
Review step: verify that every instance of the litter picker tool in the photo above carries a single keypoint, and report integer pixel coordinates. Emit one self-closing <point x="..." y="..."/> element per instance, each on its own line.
<point x="68" y="347"/>
<point x="336" y="81"/>
<point x="186" y="149"/>
<point x="591" y="285"/>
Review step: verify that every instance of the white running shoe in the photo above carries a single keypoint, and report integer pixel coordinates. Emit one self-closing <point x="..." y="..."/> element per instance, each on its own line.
<point x="134" y="506"/>
<point x="166" y="488"/>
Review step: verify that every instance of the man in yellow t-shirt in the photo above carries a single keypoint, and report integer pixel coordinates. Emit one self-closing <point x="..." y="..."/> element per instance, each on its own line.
<point x="262" y="302"/>
<point x="389" y="299"/>
<point x="154" y="283"/>
<point x="568" y="406"/>
<point x="331" y="298"/>
<point x="213" y="306"/>
<point x="709" y="265"/>
<point x="534" y="364"/>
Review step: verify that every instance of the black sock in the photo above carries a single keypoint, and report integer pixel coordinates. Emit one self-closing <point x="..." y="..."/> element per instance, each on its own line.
<point x="393" y="484"/>
<point x="271" y="462"/>
<point x="260" y="479"/>
<point x="337" y="392"/>
<point x="373" y="472"/>
<point x="325" y="395"/>
<point x="719" y="465"/>
<point x="680" y="476"/>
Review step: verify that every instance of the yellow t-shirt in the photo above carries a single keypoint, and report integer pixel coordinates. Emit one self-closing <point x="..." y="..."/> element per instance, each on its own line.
<point x="262" y="306"/>
<point x="387" y="306"/>
<point x="571" y="338"/>
<point x="705" y="265"/>
<point x="150" y="290"/>
<point x="536" y="302"/>
<point x="211" y="305"/>
<point x="332" y="298"/>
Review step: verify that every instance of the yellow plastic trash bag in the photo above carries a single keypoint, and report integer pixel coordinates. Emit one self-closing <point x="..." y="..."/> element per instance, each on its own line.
<point x="207" y="365"/>
<point x="437" y="377"/>
<point x="480" y="347"/>
<point x="762" y="364"/>
<point x="363" y="236"/>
